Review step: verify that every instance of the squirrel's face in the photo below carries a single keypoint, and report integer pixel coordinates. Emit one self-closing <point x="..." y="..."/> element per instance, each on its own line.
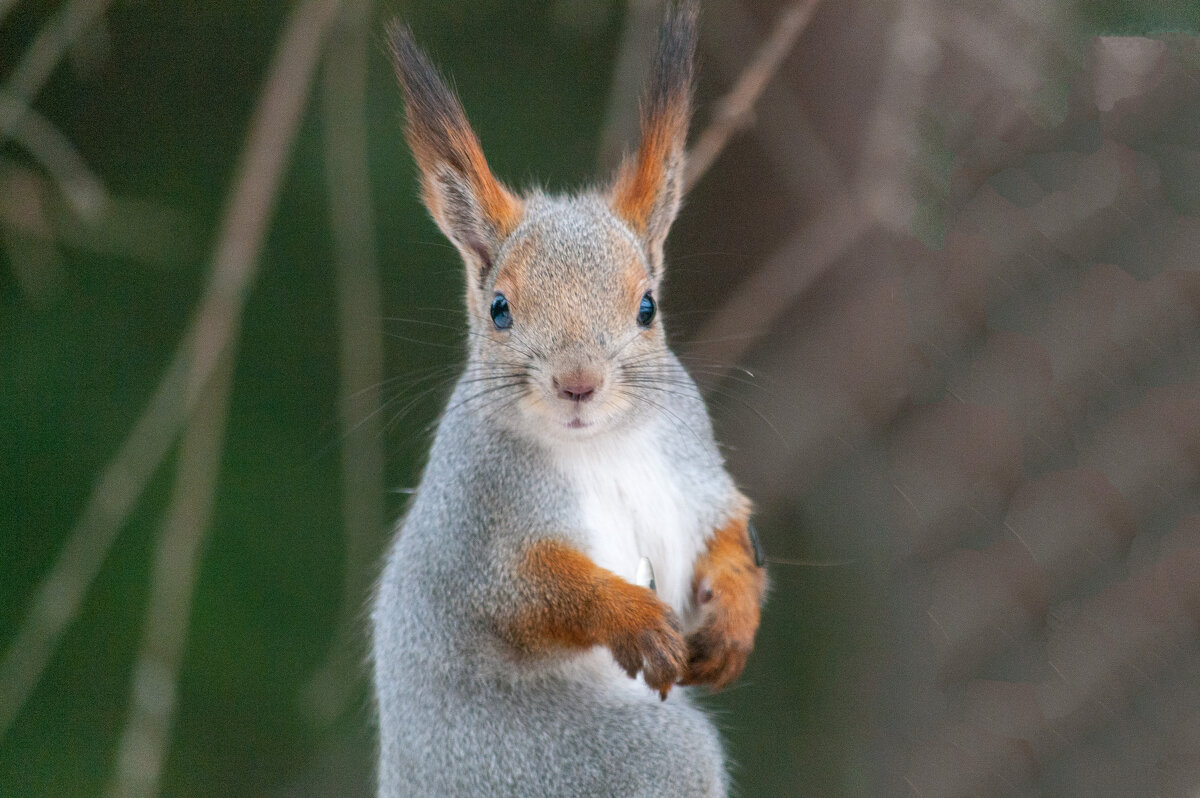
<point x="567" y="329"/>
<point x="561" y="292"/>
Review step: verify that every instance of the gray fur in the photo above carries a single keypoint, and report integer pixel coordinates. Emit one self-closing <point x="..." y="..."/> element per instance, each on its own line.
<point x="459" y="714"/>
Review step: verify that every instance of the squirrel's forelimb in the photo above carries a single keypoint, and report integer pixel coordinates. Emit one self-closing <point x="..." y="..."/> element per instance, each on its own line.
<point x="567" y="601"/>
<point x="729" y="588"/>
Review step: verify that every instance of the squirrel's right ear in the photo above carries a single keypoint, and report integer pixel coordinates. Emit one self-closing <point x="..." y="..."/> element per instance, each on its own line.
<point x="473" y="209"/>
<point x="648" y="188"/>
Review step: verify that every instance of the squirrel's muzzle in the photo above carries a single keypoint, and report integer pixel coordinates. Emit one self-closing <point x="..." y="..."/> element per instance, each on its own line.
<point x="577" y="386"/>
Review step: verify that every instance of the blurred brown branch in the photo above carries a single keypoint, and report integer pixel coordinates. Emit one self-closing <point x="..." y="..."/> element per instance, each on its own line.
<point x="207" y="342"/>
<point x="154" y="688"/>
<point x="360" y="353"/>
<point x="734" y="111"/>
<point x="27" y="233"/>
<point x="631" y="65"/>
<point x="18" y="121"/>
<point x="55" y="154"/>
<point x="43" y="55"/>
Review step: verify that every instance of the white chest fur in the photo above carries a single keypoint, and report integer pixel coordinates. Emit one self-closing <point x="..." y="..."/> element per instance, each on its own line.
<point x="634" y="505"/>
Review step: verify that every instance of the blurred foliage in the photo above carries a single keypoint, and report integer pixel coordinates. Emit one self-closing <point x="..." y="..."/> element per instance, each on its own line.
<point x="158" y="104"/>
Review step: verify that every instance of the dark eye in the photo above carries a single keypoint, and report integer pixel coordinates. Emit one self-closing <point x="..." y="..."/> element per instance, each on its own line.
<point x="501" y="316"/>
<point x="646" y="310"/>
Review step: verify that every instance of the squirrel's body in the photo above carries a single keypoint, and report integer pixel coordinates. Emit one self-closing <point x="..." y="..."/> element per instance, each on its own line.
<point x="463" y="717"/>
<point x="506" y="624"/>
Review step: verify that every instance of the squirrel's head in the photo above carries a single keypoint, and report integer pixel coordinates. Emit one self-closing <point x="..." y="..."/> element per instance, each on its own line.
<point x="561" y="291"/>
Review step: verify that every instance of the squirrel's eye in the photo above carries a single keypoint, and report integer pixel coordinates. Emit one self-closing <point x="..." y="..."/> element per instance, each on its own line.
<point x="501" y="315"/>
<point x="646" y="310"/>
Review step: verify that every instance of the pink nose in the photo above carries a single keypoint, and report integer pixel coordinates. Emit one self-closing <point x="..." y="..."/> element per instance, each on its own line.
<point x="577" y="387"/>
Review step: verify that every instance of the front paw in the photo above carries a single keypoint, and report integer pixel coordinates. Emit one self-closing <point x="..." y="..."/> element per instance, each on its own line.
<point x="654" y="645"/>
<point x="718" y="650"/>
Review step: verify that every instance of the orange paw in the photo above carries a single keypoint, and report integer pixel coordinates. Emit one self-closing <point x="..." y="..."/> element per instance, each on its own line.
<point x="729" y="587"/>
<point x="718" y="650"/>
<point x="656" y="648"/>
<point x="567" y="601"/>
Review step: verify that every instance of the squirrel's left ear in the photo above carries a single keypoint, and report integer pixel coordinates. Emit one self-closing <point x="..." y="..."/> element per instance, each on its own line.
<point x="474" y="209"/>
<point x="649" y="186"/>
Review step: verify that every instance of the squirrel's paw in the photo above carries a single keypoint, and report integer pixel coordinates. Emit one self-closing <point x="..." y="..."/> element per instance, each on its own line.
<point x="718" y="650"/>
<point x="655" y="646"/>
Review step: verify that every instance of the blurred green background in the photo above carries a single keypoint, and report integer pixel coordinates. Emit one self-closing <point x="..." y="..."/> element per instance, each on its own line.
<point x="158" y="104"/>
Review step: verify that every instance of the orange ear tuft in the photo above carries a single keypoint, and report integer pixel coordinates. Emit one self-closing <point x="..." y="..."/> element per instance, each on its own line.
<point x="641" y="181"/>
<point x="473" y="209"/>
<point x="649" y="187"/>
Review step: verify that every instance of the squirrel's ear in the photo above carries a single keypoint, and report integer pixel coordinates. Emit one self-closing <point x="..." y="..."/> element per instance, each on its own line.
<point x="473" y="208"/>
<point x="649" y="186"/>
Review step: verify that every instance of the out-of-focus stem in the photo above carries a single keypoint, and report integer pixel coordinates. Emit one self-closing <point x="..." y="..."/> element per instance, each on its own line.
<point x="360" y="353"/>
<point x="211" y="333"/>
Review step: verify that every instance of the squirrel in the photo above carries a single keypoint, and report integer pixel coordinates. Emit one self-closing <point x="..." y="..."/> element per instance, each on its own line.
<point x="509" y="628"/>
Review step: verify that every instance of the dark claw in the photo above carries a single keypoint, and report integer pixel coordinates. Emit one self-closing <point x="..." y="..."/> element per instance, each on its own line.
<point x="760" y="556"/>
